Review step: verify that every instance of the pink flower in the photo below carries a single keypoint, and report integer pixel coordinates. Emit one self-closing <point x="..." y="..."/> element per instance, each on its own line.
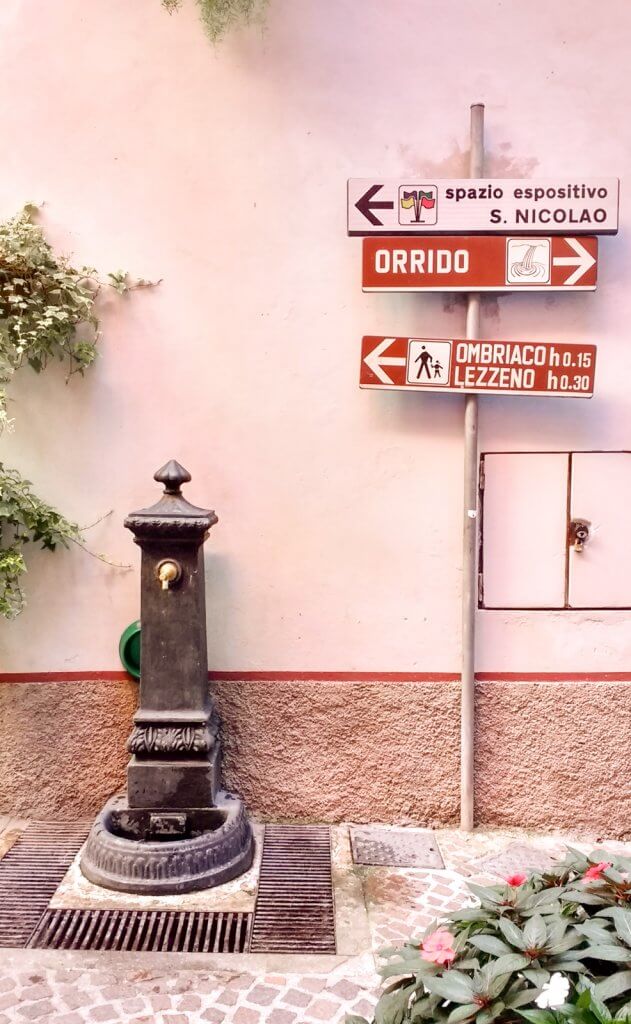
<point x="596" y="871"/>
<point x="517" y="879"/>
<point x="438" y="947"/>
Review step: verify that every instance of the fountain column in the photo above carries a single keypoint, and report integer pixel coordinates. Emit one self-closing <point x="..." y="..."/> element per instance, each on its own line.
<point x="175" y="830"/>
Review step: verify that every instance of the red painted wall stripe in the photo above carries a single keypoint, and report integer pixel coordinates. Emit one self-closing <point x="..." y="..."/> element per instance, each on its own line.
<point x="334" y="677"/>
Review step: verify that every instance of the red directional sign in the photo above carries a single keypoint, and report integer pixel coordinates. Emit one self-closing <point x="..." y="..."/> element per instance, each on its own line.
<point x="479" y="263"/>
<point x="479" y="367"/>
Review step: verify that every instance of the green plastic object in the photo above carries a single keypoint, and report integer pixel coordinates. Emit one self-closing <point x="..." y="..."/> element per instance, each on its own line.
<point x="129" y="649"/>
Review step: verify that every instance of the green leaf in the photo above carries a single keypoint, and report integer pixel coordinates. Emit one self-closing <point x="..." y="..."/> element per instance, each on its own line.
<point x="511" y="932"/>
<point x="624" y="1013"/>
<point x="587" y="899"/>
<point x="538" y="1016"/>
<point x="491" y="1013"/>
<point x="599" y="1009"/>
<point x="386" y="951"/>
<point x="471" y="963"/>
<point x="538" y="976"/>
<point x="392" y="1007"/>
<point x="507" y="964"/>
<point x="622" y="921"/>
<point x="522" y="998"/>
<point x="486" y="895"/>
<point x="470" y="914"/>
<point x="490" y="944"/>
<point x="535" y="933"/>
<point x="569" y="966"/>
<point x="570" y="941"/>
<point x="462" y="1013"/>
<point x="545" y="896"/>
<point x="557" y="929"/>
<point x="594" y="931"/>
<point x="400" y="967"/>
<point x="616" y="954"/>
<point x="456" y="987"/>
<point x="497" y="985"/>
<point x="613" y="986"/>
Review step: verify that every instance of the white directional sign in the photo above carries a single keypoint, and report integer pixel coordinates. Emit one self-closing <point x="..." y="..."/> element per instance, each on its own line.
<point x="409" y="206"/>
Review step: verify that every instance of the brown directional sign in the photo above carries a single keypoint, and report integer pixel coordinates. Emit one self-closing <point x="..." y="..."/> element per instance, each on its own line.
<point x="477" y="263"/>
<point x="482" y="367"/>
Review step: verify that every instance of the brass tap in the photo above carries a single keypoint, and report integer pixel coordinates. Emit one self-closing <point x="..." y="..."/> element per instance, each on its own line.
<point x="168" y="573"/>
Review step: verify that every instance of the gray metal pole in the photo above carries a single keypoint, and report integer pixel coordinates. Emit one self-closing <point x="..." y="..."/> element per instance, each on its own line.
<point x="470" y="529"/>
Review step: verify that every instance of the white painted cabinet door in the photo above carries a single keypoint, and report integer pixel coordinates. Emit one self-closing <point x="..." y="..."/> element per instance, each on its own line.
<point x="524" y="530"/>
<point x="600" y="574"/>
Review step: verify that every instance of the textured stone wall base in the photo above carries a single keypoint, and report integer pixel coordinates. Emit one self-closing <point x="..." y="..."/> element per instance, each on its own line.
<point x="549" y="754"/>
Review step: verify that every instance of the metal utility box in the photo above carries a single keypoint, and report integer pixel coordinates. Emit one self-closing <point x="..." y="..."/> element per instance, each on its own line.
<point x="553" y="530"/>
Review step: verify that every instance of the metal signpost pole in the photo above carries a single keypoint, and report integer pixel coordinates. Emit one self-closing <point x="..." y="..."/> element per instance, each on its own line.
<point x="476" y="235"/>
<point x="470" y="529"/>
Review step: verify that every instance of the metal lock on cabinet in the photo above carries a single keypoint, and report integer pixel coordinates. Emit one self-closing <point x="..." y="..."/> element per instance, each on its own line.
<point x="579" y="533"/>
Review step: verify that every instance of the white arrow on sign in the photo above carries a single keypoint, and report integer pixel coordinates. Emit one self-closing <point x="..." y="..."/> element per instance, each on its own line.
<point x="375" y="360"/>
<point x="583" y="260"/>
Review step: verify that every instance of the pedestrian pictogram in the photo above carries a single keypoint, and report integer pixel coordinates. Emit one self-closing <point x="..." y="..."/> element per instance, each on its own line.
<point x="429" y="361"/>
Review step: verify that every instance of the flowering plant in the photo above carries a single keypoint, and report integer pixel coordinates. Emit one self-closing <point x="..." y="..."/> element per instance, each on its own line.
<point x="547" y="946"/>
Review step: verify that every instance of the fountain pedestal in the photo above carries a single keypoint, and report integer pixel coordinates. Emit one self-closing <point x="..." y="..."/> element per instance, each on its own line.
<point x="176" y="830"/>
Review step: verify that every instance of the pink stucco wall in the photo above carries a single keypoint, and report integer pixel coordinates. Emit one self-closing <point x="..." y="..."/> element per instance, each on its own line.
<point x="549" y="754"/>
<point x="222" y="171"/>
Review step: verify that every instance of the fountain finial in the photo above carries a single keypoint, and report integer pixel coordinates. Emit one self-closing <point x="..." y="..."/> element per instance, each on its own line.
<point x="172" y="475"/>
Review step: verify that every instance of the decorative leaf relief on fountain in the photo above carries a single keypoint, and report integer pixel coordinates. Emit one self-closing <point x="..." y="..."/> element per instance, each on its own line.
<point x="168" y="739"/>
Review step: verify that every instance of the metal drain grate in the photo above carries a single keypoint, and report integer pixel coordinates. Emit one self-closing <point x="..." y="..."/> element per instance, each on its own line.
<point x="401" y="848"/>
<point x="294" y="906"/>
<point x="30" y="873"/>
<point x="155" y="931"/>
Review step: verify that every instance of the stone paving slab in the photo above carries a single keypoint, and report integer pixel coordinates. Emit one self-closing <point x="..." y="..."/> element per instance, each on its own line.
<point x="10" y="831"/>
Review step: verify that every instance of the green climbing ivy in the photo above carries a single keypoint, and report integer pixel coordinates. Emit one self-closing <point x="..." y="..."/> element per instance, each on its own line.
<point x="23" y="518"/>
<point x="47" y="311"/>
<point x="219" y="16"/>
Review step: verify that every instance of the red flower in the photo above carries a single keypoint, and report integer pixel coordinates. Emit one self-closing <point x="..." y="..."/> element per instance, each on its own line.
<point x="438" y="947"/>
<point x="517" y="879"/>
<point x="596" y="871"/>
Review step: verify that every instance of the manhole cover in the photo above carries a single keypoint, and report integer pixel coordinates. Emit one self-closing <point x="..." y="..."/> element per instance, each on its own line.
<point x="516" y="857"/>
<point x="400" y="848"/>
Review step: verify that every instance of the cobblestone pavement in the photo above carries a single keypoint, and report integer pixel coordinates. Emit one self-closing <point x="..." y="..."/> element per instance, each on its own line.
<point x="74" y="988"/>
<point x="66" y="987"/>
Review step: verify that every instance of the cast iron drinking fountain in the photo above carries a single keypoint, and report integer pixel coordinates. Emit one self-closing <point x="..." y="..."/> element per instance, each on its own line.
<point x="176" y="829"/>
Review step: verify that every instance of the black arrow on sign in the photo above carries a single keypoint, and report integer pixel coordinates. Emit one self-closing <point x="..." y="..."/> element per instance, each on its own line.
<point x="365" y="206"/>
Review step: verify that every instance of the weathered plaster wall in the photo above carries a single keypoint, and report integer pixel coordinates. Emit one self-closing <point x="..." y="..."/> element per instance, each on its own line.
<point x="223" y="172"/>
<point x="549" y="755"/>
<point x="63" y="745"/>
